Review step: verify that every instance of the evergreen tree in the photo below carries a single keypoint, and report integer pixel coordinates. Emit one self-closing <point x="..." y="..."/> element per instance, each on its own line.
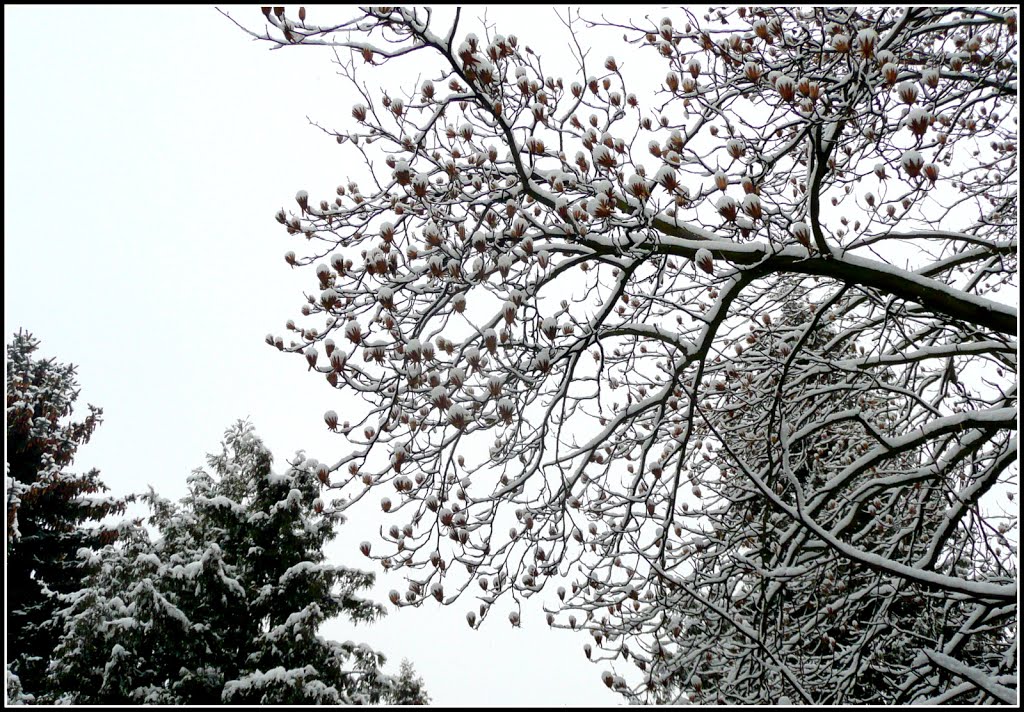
<point x="409" y="689"/>
<point x="223" y="605"/>
<point x="49" y="509"/>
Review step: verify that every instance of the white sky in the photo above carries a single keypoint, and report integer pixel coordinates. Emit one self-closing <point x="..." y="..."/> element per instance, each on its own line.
<point x="146" y="151"/>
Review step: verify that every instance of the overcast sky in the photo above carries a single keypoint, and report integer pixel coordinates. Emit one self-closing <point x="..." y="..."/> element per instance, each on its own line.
<point x="146" y="152"/>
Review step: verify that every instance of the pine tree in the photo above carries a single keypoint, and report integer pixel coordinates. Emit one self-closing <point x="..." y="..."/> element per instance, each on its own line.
<point x="51" y="512"/>
<point x="409" y="688"/>
<point x="224" y="603"/>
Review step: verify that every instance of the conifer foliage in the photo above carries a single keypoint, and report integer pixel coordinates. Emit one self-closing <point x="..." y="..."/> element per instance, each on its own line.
<point x="51" y="511"/>
<point x="223" y="602"/>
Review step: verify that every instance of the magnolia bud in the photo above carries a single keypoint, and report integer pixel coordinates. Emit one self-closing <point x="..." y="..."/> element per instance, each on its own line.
<point x="705" y="260"/>
<point x="802" y="233"/>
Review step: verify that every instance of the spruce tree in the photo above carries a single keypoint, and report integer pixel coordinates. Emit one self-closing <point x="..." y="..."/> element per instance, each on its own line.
<point x="51" y="512"/>
<point x="223" y="602"/>
<point x="409" y="688"/>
